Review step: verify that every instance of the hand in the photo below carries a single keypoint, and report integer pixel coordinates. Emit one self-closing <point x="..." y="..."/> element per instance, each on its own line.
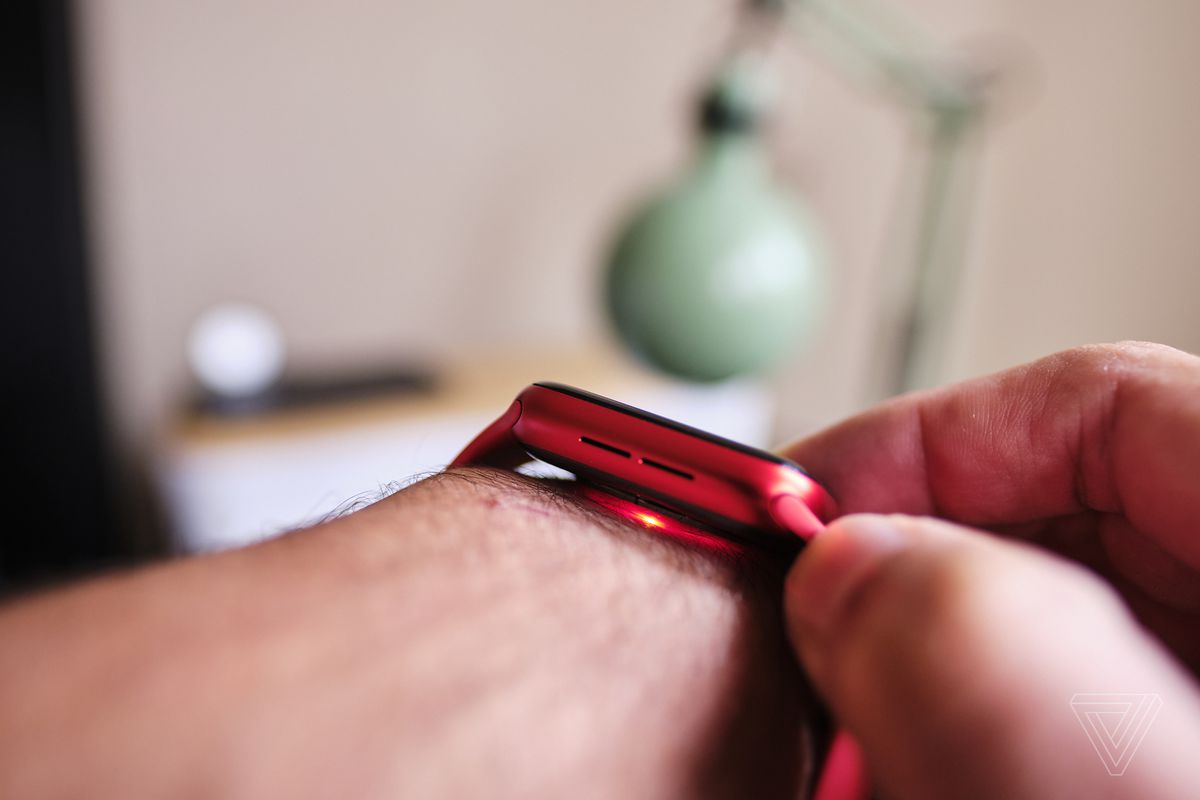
<point x="951" y="655"/>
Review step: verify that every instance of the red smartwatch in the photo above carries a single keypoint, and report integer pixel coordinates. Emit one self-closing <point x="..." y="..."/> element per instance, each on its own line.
<point x="655" y="471"/>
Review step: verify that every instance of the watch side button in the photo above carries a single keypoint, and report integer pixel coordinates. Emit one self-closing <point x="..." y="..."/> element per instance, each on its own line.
<point x="791" y="513"/>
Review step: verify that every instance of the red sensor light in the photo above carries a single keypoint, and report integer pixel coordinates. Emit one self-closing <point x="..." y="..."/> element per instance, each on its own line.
<point x="664" y="525"/>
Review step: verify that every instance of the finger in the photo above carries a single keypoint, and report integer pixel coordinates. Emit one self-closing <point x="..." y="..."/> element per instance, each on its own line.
<point x="1109" y="428"/>
<point x="953" y="657"/>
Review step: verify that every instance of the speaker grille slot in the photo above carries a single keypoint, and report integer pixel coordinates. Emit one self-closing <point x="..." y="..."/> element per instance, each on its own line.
<point x="608" y="447"/>
<point x="676" y="472"/>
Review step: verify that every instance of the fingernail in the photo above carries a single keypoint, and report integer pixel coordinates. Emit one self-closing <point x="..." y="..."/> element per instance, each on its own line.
<point x="830" y="571"/>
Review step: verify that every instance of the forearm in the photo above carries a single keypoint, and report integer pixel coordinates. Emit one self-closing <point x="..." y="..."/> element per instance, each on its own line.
<point x="474" y="634"/>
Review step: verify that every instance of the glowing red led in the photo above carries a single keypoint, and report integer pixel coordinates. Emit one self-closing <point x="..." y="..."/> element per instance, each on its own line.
<point x="667" y="526"/>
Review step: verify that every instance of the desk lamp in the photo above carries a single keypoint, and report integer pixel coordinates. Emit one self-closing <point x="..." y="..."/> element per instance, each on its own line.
<point x="722" y="273"/>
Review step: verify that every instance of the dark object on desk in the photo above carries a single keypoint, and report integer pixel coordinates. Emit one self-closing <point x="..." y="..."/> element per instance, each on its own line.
<point x="303" y="392"/>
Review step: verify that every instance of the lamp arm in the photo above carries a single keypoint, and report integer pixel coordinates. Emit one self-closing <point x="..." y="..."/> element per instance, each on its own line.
<point x="874" y="42"/>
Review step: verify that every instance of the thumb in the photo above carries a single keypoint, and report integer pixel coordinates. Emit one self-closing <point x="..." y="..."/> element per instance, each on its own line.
<point x="953" y="657"/>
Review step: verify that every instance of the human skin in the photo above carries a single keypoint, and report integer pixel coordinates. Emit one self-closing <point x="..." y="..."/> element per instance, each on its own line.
<point x="953" y="655"/>
<point x="476" y="634"/>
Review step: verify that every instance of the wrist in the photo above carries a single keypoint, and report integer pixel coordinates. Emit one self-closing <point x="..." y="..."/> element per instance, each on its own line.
<point x="630" y="653"/>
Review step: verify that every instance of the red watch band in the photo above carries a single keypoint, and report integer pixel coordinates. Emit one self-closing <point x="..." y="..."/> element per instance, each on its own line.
<point x="496" y="445"/>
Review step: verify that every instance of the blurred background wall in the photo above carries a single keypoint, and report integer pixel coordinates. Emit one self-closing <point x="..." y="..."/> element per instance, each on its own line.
<point x="440" y="183"/>
<point x="394" y="177"/>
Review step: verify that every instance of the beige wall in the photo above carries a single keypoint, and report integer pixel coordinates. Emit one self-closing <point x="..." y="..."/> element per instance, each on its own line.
<point x="394" y="177"/>
<point x="1089" y="226"/>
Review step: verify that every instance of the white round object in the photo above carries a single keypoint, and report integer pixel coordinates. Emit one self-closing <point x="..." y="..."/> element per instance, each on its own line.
<point x="236" y="350"/>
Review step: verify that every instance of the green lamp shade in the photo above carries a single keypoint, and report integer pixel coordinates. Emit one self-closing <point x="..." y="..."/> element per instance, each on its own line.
<point x="721" y="275"/>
